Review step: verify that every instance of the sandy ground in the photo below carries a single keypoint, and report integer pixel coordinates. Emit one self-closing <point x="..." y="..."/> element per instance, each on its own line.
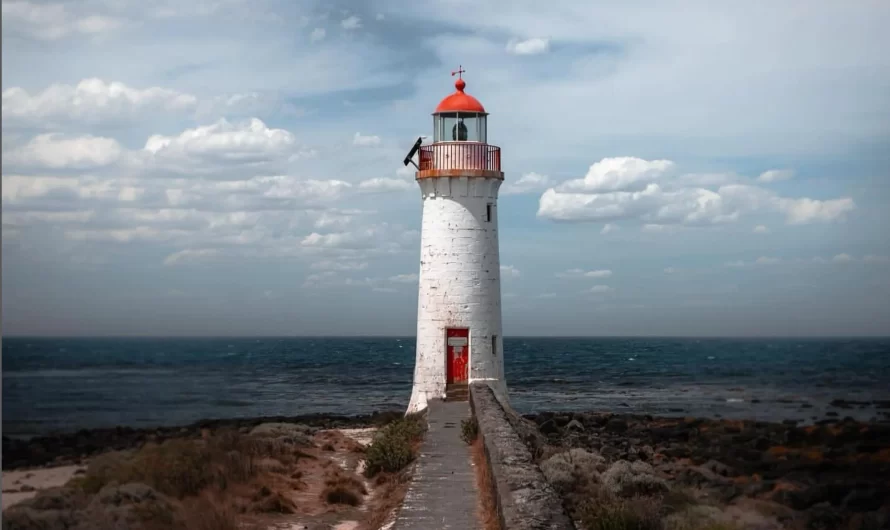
<point x="34" y="480"/>
<point x="14" y="482"/>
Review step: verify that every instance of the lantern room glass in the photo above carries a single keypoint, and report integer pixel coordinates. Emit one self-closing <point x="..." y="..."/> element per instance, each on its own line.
<point x="460" y="127"/>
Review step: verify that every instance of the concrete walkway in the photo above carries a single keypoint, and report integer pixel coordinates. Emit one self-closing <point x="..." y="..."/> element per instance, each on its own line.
<point x="443" y="492"/>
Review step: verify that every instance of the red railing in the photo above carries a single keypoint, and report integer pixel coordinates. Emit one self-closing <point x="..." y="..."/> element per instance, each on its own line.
<point x="460" y="155"/>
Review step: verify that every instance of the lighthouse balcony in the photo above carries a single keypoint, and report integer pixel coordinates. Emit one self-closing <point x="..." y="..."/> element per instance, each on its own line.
<point x="460" y="159"/>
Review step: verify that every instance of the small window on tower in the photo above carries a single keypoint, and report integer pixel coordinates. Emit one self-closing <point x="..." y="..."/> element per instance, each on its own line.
<point x="488" y="212"/>
<point x="494" y="345"/>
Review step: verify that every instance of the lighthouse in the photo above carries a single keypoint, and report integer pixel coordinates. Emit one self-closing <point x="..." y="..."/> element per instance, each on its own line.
<point x="459" y="337"/>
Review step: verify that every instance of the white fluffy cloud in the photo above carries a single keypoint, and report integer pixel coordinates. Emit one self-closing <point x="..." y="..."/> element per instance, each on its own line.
<point x="365" y="140"/>
<point x="317" y="35"/>
<point x="527" y="183"/>
<point x="382" y="185"/>
<point x="761" y="229"/>
<point x="581" y="273"/>
<point x="598" y="289"/>
<point x="509" y="271"/>
<point x="57" y="152"/>
<point x="774" y="175"/>
<point x="532" y="46"/>
<point x="54" y="21"/>
<point x="249" y="141"/>
<point x="619" y="174"/>
<point x="91" y="100"/>
<point x="350" y="23"/>
<point x="629" y="188"/>
<point x="404" y="278"/>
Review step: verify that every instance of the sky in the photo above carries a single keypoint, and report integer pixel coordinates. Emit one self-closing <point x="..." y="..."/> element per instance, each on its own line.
<point x="234" y="167"/>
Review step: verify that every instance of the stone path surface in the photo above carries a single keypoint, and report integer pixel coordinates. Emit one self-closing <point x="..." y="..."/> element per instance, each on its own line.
<point x="443" y="491"/>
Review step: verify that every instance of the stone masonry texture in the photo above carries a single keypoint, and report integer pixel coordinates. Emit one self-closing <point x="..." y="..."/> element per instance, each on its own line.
<point x="459" y="283"/>
<point x="525" y="500"/>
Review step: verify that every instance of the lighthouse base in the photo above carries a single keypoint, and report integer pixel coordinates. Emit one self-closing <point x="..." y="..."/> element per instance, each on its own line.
<point x="420" y="398"/>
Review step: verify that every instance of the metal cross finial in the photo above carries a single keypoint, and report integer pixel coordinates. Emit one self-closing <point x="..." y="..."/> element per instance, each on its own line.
<point x="459" y="72"/>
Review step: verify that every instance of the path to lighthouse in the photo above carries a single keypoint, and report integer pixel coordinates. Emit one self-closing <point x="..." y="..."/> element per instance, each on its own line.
<point x="443" y="491"/>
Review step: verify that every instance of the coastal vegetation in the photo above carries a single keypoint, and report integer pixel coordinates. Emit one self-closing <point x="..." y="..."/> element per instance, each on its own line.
<point x="228" y="478"/>
<point x="627" y="472"/>
<point x="395" y="445"/>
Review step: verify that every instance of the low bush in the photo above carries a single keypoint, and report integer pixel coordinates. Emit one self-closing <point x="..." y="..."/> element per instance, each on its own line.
<point x="572" y="469"/>
<point x="628" y="479"/>
<point x="181" y="468"/>
<point x="469" y="430"/>
<point x="393" y="446"/>
<point x="602" y="510"/>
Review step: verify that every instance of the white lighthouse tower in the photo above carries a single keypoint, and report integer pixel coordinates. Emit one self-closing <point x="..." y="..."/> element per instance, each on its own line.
<point x="459" y="337"/>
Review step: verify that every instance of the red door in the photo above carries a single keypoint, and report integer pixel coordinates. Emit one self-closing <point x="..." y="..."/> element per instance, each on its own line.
<point x="458" y="345"/>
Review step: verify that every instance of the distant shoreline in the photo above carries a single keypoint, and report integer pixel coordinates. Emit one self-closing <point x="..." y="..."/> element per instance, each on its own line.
<point x="73" y="447"/>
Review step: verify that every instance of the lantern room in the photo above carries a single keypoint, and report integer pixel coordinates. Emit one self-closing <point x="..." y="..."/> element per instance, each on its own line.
<point x="460" y="140"/>
<point x="460" y="118"/>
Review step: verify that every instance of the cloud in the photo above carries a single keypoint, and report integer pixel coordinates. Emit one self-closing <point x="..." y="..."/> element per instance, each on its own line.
<point x="404" y="278"/>
<point x="54" y="21"/>
<point x="670" y="270"/>
<point x="545" y="296"/>
<point x="775" y="175"/>
<point x="609" y="227"/>
<point x="54" y="151"/>
<point x="91" y="100"/>
<point x="581" y="273"/>
<point x="187" y="255"/>
<point x="533" y="46"/>
<point x="599" y="289"/>
<point x="527" y="183"/>
<point x="765" y="260"/>
<point x="380" y="16"/>
<point x="734" y="264"/>
<point x="248" y="141"/>
<point x="381" y="185"/>
<point x="339" y="265"/>
<point x="804" y="211"/>
<point x="317" y="35"/>
<point x="509" y="271"/>
<point x="365" y="141"/>
<point x="876" y="259"/>
<point x="350" y="23"/>
<point x="625" y="188"/>
<point x="842" y="258"/>
<point x="761" y="229"/>
<point x="617" y="174"/>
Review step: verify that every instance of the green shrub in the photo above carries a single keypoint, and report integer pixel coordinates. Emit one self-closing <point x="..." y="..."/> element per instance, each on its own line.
<point x="469" y="430"/>
<point x="392" y="448"/>
<point x="628" y="479"/>
<point x="604" y="511"/>
<point x="568" y="470"/>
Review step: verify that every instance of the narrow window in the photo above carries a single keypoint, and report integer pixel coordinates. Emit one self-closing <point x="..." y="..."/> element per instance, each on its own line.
<point x="494" y="345"/>
<point x="488" y="212"/>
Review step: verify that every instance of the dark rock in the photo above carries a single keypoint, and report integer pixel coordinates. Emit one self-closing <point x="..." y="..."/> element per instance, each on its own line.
<point x="575" y="425"/>
<point x="719" y="468"/>
<point x="864" y="500"/>
<point x="27" y="488"/>
<point x="831" y="413"/>
<point x="762" y="444"/>
<point x="616" y="425"/>
<point x="824" y="517"/>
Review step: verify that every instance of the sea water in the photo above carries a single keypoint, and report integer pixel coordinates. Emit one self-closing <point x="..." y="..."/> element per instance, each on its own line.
<point x="70" y="384"/>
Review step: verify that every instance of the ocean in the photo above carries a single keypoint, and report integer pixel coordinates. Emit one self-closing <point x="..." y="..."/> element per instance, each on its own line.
<point x="54" y="385"/>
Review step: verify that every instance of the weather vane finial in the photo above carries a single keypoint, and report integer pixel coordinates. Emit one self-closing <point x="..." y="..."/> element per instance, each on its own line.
<point x="459" y="72"/>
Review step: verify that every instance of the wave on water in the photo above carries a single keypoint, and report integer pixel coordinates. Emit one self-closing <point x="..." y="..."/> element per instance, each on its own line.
<point x="148" y="382"/>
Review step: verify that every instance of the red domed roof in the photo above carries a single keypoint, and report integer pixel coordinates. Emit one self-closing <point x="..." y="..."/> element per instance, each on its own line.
<point x="459" y="101"/>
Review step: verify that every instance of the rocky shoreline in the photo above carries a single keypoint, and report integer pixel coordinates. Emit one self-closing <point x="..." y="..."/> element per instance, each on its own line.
<point x="830" y="474"/>
<point x="75" y="447"/>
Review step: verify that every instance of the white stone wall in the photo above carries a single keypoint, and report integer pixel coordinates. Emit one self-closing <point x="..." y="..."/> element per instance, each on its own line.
<point x="460" y="283"/>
